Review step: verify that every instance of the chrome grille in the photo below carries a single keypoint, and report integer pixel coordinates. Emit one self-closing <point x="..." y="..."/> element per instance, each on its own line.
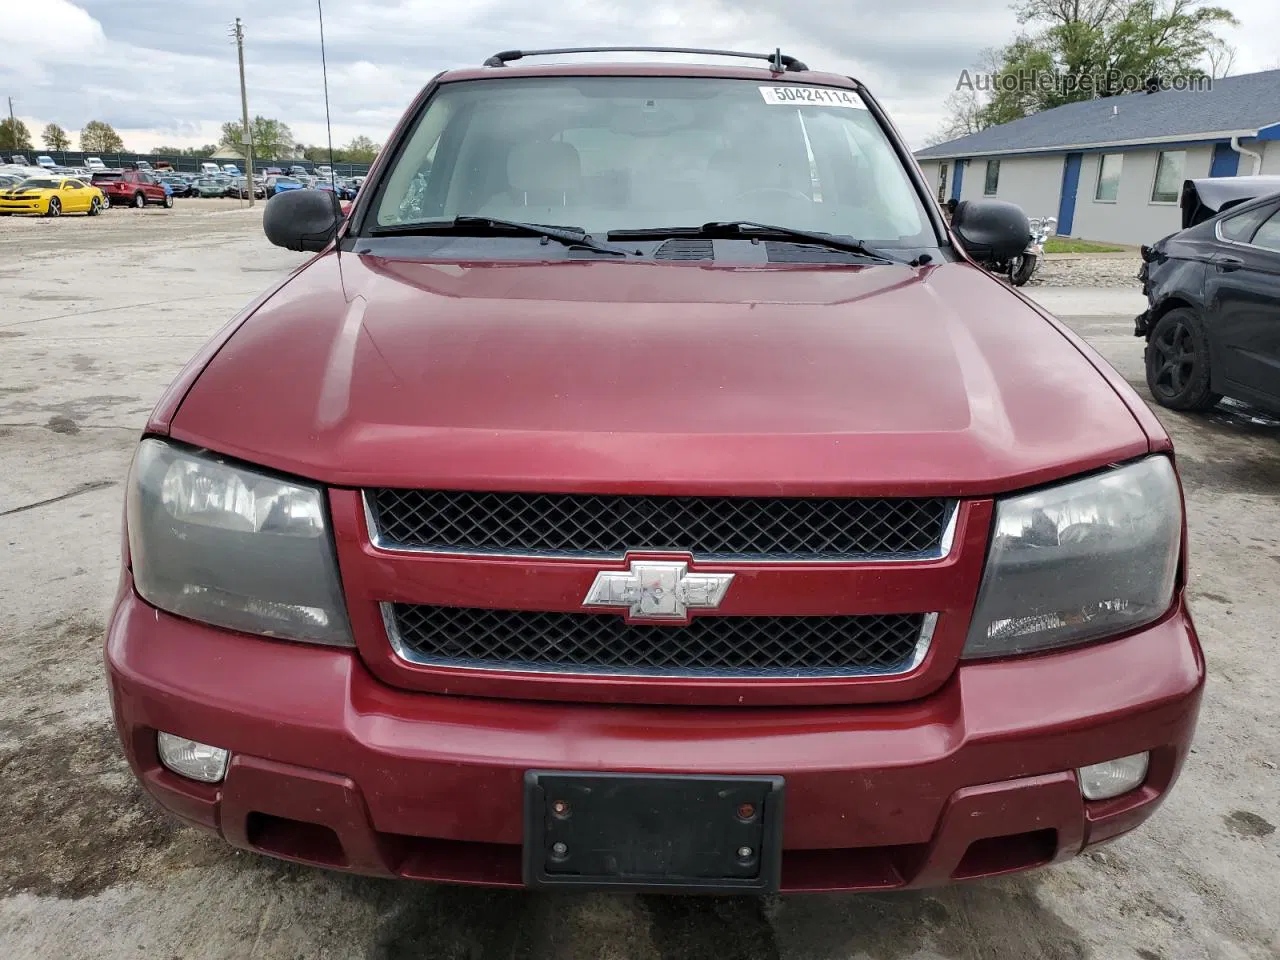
<point x="593" y="525"/>
<point x="707" y="646"/>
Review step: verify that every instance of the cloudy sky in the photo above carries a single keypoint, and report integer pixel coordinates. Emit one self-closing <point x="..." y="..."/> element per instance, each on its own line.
<point x="164" y="71"/>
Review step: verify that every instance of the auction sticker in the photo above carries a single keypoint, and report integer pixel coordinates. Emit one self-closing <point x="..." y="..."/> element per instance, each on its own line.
<point x="796" y="96"/>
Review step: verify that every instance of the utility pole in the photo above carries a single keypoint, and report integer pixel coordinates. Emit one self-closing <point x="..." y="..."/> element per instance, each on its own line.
<point x="247" y="138"/>
<point x="13" y="127"/>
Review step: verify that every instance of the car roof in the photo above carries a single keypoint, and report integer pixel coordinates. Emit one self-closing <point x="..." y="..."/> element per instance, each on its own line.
<point x="614" y="68"/>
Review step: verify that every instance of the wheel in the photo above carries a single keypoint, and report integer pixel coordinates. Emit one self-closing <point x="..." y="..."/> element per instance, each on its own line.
<point x="139" y="200"/>
<point x="106" y="202"/>
<point x="1022" y="269"/>
<point x="95" y="207"/>
<point x="1177" y="360"/>
<point x="55" y="207"/>
<point x="168" y="201"/>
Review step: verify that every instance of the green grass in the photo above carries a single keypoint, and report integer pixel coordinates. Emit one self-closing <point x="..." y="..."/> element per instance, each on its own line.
<point x="1067" y="245"/>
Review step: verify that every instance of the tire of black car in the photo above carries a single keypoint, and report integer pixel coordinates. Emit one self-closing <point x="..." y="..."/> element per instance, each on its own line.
<point x="139" y="200"/>
<point x="1179" y="348"/>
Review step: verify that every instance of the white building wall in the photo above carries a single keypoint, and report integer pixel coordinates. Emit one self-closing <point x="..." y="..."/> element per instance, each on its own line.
<point x="1133" y="218"/>
<point x="1270" y="156"/>
<point x="1033" y="183"/>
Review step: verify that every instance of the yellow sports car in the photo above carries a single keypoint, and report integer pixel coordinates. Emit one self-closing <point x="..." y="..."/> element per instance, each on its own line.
<point x="52" y="197"/>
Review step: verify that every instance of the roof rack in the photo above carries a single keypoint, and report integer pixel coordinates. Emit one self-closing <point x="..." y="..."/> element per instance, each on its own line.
<point x="778" y="60"/>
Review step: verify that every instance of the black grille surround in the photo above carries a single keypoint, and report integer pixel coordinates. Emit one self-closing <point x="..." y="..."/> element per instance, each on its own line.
<point x="597" y="643"/>
<point x="608" y="526"/>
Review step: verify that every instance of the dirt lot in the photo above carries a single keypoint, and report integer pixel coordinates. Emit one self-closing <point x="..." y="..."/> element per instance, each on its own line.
<point x="97" y="315"/>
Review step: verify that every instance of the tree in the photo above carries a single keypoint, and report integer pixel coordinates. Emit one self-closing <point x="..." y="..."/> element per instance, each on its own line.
<point x="271" y="138"/>
<point x="14" y="135"/>
<point x="361" y="150"/>
<point x="55" y="138"/>
<point x="99" y="137"/>
<point x="1072" y="50"/>
<point x="207" y="150"/>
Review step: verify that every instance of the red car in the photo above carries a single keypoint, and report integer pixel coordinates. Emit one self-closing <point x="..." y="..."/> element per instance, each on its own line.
<point x="132" y="188"/>
<point x="643" y="486"/>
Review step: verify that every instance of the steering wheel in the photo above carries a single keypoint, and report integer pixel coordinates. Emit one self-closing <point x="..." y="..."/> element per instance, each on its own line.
<point x="783" y="191"/>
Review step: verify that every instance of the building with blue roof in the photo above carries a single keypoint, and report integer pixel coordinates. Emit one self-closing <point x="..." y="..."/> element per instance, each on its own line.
<point x="1111" y="169"/>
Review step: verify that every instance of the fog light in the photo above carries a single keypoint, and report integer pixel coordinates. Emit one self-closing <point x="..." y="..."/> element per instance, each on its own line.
<point x="1102" y="781"/>
<point x="192" y="759"/>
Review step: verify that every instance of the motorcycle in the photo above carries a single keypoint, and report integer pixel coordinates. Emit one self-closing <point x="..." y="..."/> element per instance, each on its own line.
<point x="1023" y="268"/>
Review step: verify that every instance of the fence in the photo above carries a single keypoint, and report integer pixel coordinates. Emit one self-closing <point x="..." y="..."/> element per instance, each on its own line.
<point x="76" y="158"/>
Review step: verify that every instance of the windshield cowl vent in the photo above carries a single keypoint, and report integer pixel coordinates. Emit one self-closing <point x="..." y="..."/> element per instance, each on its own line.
<point x="685" y="250"/>
<point x="783" y="252"/>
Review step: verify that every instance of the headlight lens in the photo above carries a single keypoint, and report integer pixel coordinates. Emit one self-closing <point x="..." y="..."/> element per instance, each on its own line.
<point x="1079" y="561"/>
<point x="234" y="548"/>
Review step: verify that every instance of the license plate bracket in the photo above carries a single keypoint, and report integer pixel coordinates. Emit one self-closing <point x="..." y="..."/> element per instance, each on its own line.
<point x="653" y="831"/>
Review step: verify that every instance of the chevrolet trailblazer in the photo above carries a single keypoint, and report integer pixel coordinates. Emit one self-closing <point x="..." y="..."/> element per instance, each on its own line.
<point x="643" y="486"/>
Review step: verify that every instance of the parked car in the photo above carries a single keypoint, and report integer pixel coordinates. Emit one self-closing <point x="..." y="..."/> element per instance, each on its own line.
<point x="297" y="170"/>
<point x="19" y="159"/>
<point x="46" y="162"/>
<point x="272" y="172"/>
<point x="209" y="187"/>
<point x="132" y="188"/>
<point x="231" y="170"/>
<point x="51" y="197"/>
<point x="9" y="180"/>
<point x="94" y="164"/>
<point x="210" y="169"/>
<point x="1212" y="325"/>
<point x="239" y="187"/>
<point x="276" y="185"/>
<point x="695" y="535"/>
<point x="177" y="186"/>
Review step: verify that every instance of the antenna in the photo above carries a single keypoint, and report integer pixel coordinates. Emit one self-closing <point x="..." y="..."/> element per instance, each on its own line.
<point x="328" y="126"/>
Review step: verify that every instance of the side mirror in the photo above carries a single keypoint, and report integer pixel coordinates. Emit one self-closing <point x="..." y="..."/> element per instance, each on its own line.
<point x="992" y="231"/>
<point x="302" y="219"/>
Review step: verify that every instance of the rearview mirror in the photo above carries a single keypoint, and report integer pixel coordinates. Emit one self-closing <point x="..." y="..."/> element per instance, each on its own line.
<point x="302" y="219"/>
<point x="991" y="231"/>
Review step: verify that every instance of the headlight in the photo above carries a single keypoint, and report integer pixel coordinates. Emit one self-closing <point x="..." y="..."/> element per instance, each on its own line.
<point x="1079" y="561"/>
<point x="219" y="543"/>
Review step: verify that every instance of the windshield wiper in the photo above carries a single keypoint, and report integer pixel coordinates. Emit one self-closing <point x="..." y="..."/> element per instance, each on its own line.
<point x="748" y="229"/>
<point x="482" y="226"/>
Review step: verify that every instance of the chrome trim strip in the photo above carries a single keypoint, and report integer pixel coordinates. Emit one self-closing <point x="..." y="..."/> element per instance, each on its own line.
<point x="940" y="552"/>
<point x="923" y="644"/>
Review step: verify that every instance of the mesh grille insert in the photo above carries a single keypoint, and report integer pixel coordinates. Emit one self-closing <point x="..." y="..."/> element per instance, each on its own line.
<point x="609" y="526"/>
<point x="605" y="643"/>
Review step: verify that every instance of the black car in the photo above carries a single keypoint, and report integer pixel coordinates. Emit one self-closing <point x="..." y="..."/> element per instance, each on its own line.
<point x="1213" y="322"/>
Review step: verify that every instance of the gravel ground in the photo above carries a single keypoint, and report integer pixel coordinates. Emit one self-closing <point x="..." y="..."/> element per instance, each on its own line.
<point x="96" y="316"/>
<point x="1107" y="272"/>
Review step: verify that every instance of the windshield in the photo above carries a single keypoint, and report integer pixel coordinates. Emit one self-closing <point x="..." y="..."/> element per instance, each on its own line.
<point x="626" y="153"/>
<point x="38" y="183"/>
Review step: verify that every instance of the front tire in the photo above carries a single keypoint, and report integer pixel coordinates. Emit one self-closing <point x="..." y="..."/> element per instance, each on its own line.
<point x="95" y="207"/>
<point x="139" y="200"/>
<point x="55" y="207"/>
<point x="1024" y="268"/>
<point x="1177" y="362"/>
<point x="168" y="201"/>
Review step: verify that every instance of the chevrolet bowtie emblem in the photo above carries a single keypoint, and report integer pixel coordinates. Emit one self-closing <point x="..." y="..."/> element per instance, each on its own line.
<point x="657" y="590"/>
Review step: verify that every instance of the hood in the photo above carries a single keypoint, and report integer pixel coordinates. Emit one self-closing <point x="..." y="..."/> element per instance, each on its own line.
<point x="619" y="377"/>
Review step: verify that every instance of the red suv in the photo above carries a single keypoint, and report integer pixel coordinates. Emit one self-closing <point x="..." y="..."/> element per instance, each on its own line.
<point x="644" y="486"/>
<point x="132" y="188"/>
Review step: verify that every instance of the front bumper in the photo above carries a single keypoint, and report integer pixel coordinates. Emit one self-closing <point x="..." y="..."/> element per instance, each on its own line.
<point x="333" y="767"/>
<point x="23" y="206"/>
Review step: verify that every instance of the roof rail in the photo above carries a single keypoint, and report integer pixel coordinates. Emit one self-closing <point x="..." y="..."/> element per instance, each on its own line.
<point x="779" y="60"/>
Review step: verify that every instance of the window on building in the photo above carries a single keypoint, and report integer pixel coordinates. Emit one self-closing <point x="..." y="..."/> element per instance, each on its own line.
<point x="993" y="178"/>
<point x="1170" y="171"/>
<point x="1268" y="235"/>
<point x="1110" y="166"/>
